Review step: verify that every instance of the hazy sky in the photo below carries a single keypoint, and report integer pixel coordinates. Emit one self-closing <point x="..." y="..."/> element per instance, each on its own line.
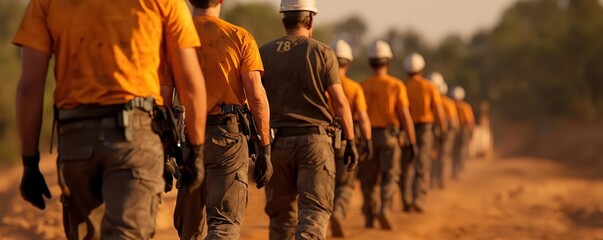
<point x="432" y="18"/>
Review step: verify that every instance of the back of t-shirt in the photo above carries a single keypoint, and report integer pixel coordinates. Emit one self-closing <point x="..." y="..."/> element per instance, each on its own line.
<point x="298" y="71"/>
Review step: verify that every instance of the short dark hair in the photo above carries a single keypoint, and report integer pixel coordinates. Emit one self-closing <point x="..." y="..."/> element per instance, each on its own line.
<point x="204" y="4"/>
<point x="297" y="19"/>
<point x="379" y="62"/>
<point x="343" y="62"/>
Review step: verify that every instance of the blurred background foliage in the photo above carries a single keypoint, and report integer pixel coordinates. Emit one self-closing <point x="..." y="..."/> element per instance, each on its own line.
<point x="540" y="61"/>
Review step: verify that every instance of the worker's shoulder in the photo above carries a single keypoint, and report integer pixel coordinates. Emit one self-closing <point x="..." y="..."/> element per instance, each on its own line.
<point x="349" y="81"/>
<point x="315" y="44"/>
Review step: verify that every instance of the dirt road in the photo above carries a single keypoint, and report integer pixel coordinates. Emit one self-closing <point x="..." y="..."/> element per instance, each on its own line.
<point x="517" y="198"/>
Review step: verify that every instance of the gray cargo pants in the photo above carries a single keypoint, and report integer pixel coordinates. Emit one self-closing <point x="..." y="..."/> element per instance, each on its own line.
<point x="299" y="196"/>
<point x="344" y="184"/>
<point x="383" y="168"/>
<point x="425" y="142"/>
<point x="114" y="185"/>
<point x="444" y="155"/>
<point x="460" y="151"/>
<point x="224" y="194"/>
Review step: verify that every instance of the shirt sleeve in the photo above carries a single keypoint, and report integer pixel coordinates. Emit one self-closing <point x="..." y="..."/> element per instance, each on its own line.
<point x="179" y="29"/>
<point x="469" y="113"/>
<point x="403" y="96"/>
<point x="360" y="100"/>
<point x="332" y="68"/>
<point x="33" y="31"/>
<point x="251" y="59"/>
<point x="437" y="97"/>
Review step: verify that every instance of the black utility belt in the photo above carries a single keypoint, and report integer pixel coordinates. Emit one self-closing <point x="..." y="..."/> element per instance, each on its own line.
<point x="299" y="131"/>
<point x="89" y="112"/>
<point x="222" y="119"/>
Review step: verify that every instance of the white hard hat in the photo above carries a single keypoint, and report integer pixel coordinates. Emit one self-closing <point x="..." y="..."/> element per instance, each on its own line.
<point x="458" y="93"/>
<point x="414" y="63"/>
<point x="343" y="50"/>
<point x="444" y="88"/>
<point x="380" y="49"/>
<point x="438" y="79"/>
<point x="298" y="5"/>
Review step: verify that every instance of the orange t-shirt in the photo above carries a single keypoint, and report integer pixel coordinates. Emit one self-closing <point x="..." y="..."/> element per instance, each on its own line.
<point x="226" y="52"/>
<point x="466" y="117"/>
<point x="383" y="95"/>
<point x="353" y="91"/>
<point x="424" y="97"/>
<point x="450" y="108"/>
<point x="106" y="53"/>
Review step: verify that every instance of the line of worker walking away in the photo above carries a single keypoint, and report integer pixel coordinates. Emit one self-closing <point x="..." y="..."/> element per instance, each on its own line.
<point x="110" y="112"/>
<point x="287" y="110"/>
<point x="467" y="123"/>
<point x="388" y="110"/>
<point x="445" y="145"/>
<point x="299" y="73"/>
<point x="344" y="180"/>
<point x="230" y="59"/>
<point x="425" y="109"/>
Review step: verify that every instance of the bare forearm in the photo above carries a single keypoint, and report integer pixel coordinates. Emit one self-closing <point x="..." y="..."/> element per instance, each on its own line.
<point x="167" y="93"/>
<point x="365" y="125"/>
<point x="342" y="110"/>
<point x="409" y="125"/>
<point x="30" y="98"/>
<point x="29" y="117"/>
<point x="442" y="118"/>
<point x="258" y="103"/>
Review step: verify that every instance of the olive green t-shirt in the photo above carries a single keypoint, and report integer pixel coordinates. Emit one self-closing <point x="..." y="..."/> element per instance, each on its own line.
<point x="298" y="71"/>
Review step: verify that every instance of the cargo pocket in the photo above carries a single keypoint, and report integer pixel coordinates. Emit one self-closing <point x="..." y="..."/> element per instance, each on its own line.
<point x="75" y="146"/>
<point x="241" y="189"/>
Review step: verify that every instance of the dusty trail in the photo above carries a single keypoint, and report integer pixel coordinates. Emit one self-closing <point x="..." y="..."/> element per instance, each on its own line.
<point x="518" y="198"/>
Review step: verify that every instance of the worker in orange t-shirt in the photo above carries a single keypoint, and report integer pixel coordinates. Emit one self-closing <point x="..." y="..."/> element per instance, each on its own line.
<point x="230" y="59"/>
<point x="344" y="180"/>
<point x="388" y="104"/>
<point x="107" y="98"/>
<point x="425" y="109"/>
<point x="446" y="143"/>
<point x="467" y="123"/>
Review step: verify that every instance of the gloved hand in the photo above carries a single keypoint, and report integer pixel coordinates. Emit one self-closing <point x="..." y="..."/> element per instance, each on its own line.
<point x="369" y="149"/>
<point x="350" y="155"/>
<point x="193" y="171"/>
<point x="442" y="137"/>
<point x="414" y="151"/>
<point x="263" y="167"/>
<point x="170" y="171"/>
<point x="33" y="186"/>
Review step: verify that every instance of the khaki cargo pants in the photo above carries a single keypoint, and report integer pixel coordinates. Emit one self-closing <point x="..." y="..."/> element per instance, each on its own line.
<point x="460" y="151"/>
<point x="114" y="185"/>
<point x="383" y="169"/>
<point x="444" y="155"/>
<point x="300" y="193"/>
<point x="344" y="184"/>
<point x="223" y="196"/>
<point x="425" y="143"/>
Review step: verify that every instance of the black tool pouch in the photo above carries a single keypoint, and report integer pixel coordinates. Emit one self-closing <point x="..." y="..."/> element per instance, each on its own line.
<point x="335" y="131"/>
<point x="164" y="124"/>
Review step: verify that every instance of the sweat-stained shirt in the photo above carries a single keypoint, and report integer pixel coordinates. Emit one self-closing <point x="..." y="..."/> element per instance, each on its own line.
<point x="226" y="52"/>
<point x="106" y="53"/>
<point x="299" y="70"/>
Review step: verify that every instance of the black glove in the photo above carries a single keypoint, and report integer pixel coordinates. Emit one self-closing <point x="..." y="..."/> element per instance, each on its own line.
<point x="414" y="151"/>
<point x="33" y="186"/>
<point x="193" y="171"/>
<point x="263" y="167"/>
<point x="170" y="171"/>
<point x="369" y="150"/>
<point x="350" y="156"/>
